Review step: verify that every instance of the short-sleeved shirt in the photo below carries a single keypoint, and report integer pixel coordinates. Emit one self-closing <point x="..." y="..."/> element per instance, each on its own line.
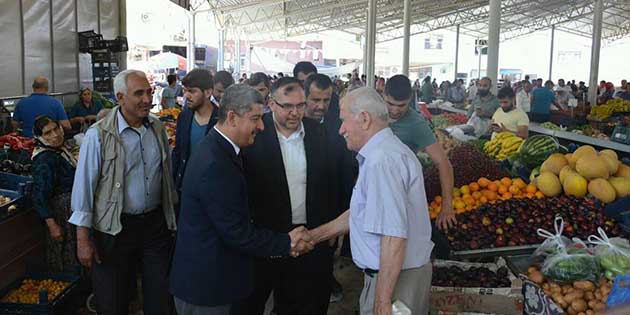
<point x="512" y="119"/>
<point x="197" y="132"/>
<point x="37" y="104"/>
<point x="171" y="99"/>
<point x="543" y="98"/>
<point x="389" y="200"/>
<point x="79" y="110"/>
<point x="414" y="131"/>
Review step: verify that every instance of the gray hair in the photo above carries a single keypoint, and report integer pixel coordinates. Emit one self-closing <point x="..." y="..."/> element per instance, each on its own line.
<point x="366" y="99"/>
<point x="238" y="98"/>
<point x="40" y="83"/>
<point x="120" y="81"/>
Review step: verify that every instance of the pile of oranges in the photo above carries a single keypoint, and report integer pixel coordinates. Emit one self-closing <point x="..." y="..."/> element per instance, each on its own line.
<point x="483" y="191"/>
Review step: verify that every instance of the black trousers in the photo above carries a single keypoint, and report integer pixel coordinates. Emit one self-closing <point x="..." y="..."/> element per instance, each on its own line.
<point x="145" y="244"/>
<point x="301" y="285"/>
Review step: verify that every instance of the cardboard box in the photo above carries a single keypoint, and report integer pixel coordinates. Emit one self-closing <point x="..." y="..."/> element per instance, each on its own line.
<point x="507" y="301"/>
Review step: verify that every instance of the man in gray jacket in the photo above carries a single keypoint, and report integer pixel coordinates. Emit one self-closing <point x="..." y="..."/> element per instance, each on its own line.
<point x="122" y="201"/>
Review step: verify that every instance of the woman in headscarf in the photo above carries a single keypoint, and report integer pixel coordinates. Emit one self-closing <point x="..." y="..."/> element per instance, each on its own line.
<point x="85" y="109"/>
<point x="53" y="175"/>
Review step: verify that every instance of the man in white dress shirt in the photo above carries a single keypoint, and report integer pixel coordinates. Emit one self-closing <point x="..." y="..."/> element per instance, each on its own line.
<point x="388" y="219"/>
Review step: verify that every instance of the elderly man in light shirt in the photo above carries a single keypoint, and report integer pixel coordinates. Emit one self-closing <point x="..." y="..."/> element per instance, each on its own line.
<point x="388" y="219"/>
<point x="523" y="96"/>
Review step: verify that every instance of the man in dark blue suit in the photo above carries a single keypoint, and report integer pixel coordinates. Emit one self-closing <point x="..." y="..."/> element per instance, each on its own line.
<point x="216" y="242"/>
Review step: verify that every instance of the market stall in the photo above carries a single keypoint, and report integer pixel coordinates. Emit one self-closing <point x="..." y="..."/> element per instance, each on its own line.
<point x="508" y="190"/>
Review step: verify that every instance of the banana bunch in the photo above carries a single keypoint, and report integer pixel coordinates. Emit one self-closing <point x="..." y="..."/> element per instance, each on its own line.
<point x="503" y="145"/>
<point x="604" y="111"/>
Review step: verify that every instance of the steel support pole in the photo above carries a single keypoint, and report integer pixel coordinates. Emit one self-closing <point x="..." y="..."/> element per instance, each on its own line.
<point x="221" y="51"/>
<point x="190" y="58"/>
<point x="456" y="54"/>
<point x="122" y="31"/>
<point x="237" y="53"/>
<point x="407" y="26"/>
<point x="371" y="43"/>
<point x="494" y="26"/>
<point x="597" y="38"/>
<point x="553" y="34"/>
<point x="365" y="50"/>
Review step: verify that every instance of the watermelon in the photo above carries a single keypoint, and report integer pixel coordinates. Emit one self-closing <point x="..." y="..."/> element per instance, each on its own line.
<point x="536" y="149"/>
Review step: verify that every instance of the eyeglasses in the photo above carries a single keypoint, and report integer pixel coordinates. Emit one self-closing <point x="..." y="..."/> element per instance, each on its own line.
<point x="290" y="107"/>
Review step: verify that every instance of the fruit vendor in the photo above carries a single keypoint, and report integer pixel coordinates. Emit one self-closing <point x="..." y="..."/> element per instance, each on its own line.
<point x="624" y="94"/>
<point x="508" y="117"/>
<point x="85" y="109"/>
<point x="542" y="99"/>
<point x="388" y="219"/>
<point x="414" y="131"/>
<point x="485" y="104"/>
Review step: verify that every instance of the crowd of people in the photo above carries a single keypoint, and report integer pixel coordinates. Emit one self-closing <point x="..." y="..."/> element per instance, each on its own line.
<point x="264" y="177"/>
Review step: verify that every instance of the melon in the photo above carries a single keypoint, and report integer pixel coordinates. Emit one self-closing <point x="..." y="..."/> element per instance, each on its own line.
<point x="570" y="160"/>
<point x="575" y="185"/>
<point x="602" y="190"/>
<point x="610" y="153"/>
<point x="611" y="163"/>
<point x="566" y="171"/>
<point x="623" y="171"/>
<point x="549" y="184"/>
<point x="591" y="167"/>
<point x="584" y="151"/>
<point x="621" y="185"/>
<point x="554" y="163"/>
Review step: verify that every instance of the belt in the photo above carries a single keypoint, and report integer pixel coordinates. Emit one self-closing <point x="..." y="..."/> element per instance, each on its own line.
<point x="370" y="272"/>
<point x="145" y="214"/>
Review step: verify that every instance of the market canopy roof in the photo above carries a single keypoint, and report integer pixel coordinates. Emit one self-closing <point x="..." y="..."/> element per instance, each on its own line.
<point x="261" y="20"/>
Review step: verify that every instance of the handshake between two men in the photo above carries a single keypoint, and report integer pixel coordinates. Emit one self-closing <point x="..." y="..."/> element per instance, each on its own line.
<point x="303" y="240"/>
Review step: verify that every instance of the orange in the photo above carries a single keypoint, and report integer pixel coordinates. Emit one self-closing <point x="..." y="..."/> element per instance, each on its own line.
<point x="465" y="190"/>
<point x="506" y="182"/>
<point x="503" y="189"/>
<point x="493" y="187"/>
<point x="469" y="208"/>
<point x="507" y="196"/>
<point x="519" y="183"/>
<point x="539" y="195"/>
<point x="460" y="204"/>
<point x="531" y="188"/>
<point x="483" y="200"/>
<point x="530" y="195"/>
<point x="491" y="196"/>
<point x="514" y="190"/>
<point x="456" y="192"/>
<point x="483" y="182"/>
<point x="438" y="199"/>
<point x="477" y="195"/>
<point x="433" y="216"/>
<point x="498" y="182"/>
<point x="474" y="187"/>
<point x="469" y="201"/>
<point x="433" y="204"/>
<point x="460" y="211"/>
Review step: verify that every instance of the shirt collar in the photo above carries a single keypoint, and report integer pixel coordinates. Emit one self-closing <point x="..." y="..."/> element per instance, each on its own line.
<point x="214" y="101"/>
<point x="123" y="125"/>
<point x="373" y="144"/>
<point x="298" y="133"/>
<point x="237" y="150"/>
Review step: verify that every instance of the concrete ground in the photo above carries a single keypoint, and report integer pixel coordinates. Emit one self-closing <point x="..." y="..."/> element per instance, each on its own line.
<point x="351" y="279"/>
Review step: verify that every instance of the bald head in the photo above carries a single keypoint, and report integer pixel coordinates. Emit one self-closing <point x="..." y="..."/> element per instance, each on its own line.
<point x="40" y="84"/>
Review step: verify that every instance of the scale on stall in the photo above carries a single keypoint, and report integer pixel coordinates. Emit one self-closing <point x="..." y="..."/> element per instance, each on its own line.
<point x="621" y="133"/>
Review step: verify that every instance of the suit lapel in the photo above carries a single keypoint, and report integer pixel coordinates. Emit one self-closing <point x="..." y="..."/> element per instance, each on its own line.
<point x="310" y="150"/>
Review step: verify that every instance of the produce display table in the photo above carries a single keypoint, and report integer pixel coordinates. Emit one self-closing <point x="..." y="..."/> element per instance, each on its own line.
<point x="22" y="245"/>
<point x="495" y="252"/>
<point x="451" y="109"/>
<point x="570" y="136"/>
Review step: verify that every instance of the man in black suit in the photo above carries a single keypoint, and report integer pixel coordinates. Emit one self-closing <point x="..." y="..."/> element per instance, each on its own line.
<point x="318" y="89"/>
<point x="291" y="182"/>
<point x="213" y="264"/>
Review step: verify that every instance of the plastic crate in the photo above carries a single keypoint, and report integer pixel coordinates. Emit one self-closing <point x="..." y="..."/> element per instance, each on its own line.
<point x="16" y="199"/>
<point x="21" y="184"/>
<point x="88" y="41"/>
<point x="621" y="134"/>
<point x="44" y="307"/>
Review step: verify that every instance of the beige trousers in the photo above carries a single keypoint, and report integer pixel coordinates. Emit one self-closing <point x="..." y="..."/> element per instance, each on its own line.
<point x="413" y="288"/>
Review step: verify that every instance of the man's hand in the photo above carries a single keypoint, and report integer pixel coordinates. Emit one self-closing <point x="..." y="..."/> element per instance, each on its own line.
<point x="446" y="219"/>
<point x="301" y="241"/>
<point x="90" y="118"/>
<point x="56" y="232"/>
<point x="86" y="253"/>
<point x="382" y="308"/>
<point x="79" y="120"/>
